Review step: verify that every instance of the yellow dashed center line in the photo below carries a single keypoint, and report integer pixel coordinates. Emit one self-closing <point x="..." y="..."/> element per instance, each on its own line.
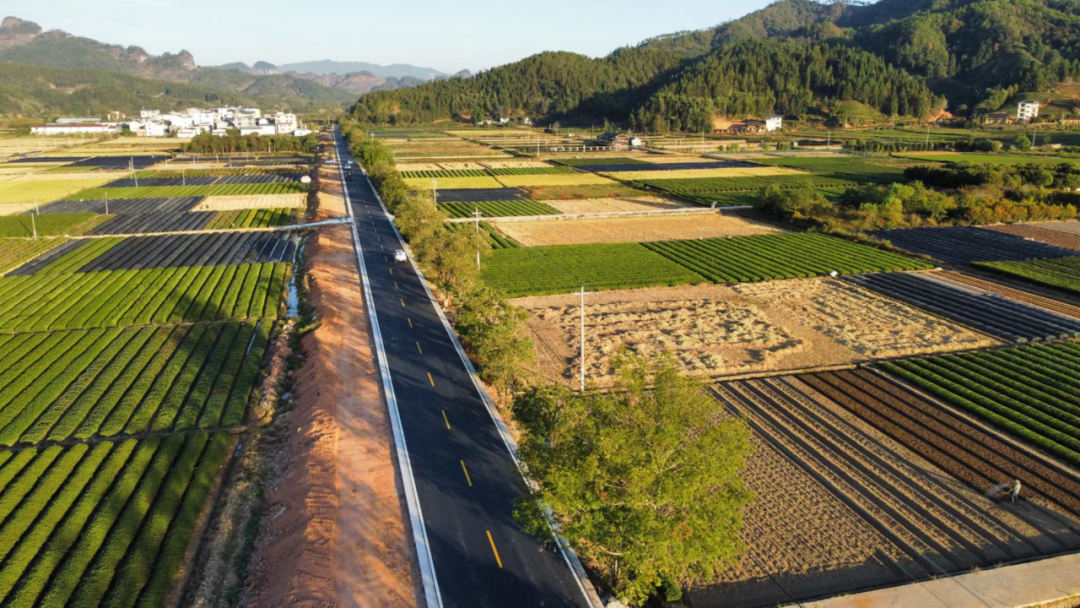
<point x="391" y="270"/>
<point x="446" y="420"/>
<point x="410" y="322"/>
<point x="395" y="285"/>
<point x="493" y="549"/>
<point x="419" y="349"/>
<point x="466" y="473"/>
<point x="430" y="379"/>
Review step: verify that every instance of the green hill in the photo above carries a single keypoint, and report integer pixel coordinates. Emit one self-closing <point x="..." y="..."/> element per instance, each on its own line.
<point x="896" y="57"/>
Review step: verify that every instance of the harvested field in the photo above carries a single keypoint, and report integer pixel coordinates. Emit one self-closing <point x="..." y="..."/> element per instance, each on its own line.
<point x="965" y="244"/>
<point x="198" y="180"/>
<point x="20" y="191"/>
<point x="718" y="331"/>
<point x="979" y="457"/>
<point x="1043" y="234"/>
<point x="928" y="522"/>
<point x="227" y="190"/>
<point x="1031" y="393"/>
<point x="801" y="540"/>
<point x="613" y="205"/>
<point x="262" y="201"/>
<point x="630" y="229"/>
<point x="718" y="173"/>
<point x="27" y="226"/>
<point x="1000" y="317"/>
<point x="572" y="179"/>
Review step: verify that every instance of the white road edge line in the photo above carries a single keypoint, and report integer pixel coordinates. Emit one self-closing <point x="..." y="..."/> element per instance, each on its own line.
<point x="568" y="554"/>
<point x="432" y="594"/>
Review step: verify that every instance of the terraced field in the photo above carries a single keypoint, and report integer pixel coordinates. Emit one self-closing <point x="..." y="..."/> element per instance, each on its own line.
<point x="1059" y="234"/>
<point x="1000" y="317"/>
<point x="124" y="206"/>
<point x="1031" y="393"/>
<point x="707" y="190"/>
<point x="498" y="241"/>
<point x="24" y="226"/>
<point x="965" y="244"/>
<point x="14" y="252"/>
<point x="479" y="195"/>
<point x="1019" y="295"/>
<point x="497" y="208"/>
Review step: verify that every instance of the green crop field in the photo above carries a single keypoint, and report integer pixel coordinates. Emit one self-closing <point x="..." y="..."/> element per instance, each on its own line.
<point x="103" y="525"/>
<point x="54" y="224"/>
<point x="842" y="168"/>
<point x="1032" y="393"/>
<point x="1008" y="160"/>
<point x="253" y="218"/>
<point x="530" y="171"/>
<point x="185" y="191"/>
<point x="498" y="241"/>
<point x="444" y="174"/>
<point x="498" y="209"/>
<point x="779" y="256"/>
<point x="1063" y="273"/>
<point x="110" y="382"/>
<point x="14" y="252"/>
<point x="60" y="299"/>
<point x="707" y="190"/>
<point x="562" y="269"/>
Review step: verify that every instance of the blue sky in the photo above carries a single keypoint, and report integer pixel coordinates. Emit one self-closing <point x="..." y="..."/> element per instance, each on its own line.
<point x="448" y="36"/>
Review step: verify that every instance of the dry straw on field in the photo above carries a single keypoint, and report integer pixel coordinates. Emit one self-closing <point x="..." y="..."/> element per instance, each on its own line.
<point x="716" y="331"/>
<point x="631" y="229"/>
<point x="612" y="205"/>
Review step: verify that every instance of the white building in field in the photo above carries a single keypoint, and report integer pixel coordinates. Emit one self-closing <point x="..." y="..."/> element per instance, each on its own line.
<point x="98" y="128"/>
<point x="149" y="114"/>
<point x="774" y="122"/>
<point x="154" y="129"/>
<point x="284" y="124"/>
<point x="76" y="121"/>
<point x="1027" y="110"/>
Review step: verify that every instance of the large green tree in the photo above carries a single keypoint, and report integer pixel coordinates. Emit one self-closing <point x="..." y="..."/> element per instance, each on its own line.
<point x="646" y="480"/>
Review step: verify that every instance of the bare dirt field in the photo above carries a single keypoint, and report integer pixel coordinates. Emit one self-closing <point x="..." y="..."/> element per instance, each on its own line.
<point x="610" y="205"/>
<point x="255" y="201"/>
<point x="337" y="532"/>
<point x="1062" y="234"/>
<point x="717" y="331"/>
<point x="630" y="229"/>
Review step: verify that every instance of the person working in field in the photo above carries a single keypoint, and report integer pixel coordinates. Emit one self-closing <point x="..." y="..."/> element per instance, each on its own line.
<point x="1016" y="490"/>
<point x="1011" y="487"/>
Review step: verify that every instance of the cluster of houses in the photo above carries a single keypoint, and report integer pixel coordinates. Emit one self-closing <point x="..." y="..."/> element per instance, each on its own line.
<point x="186" y="124"/>
<point x="1026" y="111"/>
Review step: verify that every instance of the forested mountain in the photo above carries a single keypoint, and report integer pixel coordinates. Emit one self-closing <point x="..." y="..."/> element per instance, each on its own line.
<point x="326" y="66"/>
<point x="893" y="56"/>
<point x="86" y="62"/>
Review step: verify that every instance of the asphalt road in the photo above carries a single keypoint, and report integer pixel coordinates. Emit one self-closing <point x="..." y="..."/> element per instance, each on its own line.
<point x="466" y="480"/>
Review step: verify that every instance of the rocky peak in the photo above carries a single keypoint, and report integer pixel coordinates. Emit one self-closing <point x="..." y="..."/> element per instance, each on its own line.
<point x="13" y="26"/>
<point x="186" y="60"/>
<point x="264" y="68"/>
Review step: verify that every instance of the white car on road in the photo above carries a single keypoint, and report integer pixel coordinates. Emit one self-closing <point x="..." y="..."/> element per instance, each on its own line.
<point x="400" y="256"/>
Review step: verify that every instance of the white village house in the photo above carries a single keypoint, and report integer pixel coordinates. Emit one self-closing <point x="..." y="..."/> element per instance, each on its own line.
<point x="1027" y="110"/>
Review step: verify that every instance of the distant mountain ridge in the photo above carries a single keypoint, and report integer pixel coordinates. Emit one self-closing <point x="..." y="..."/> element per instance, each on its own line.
<point x="353" y="76"/>
<point x="25" y="43"/>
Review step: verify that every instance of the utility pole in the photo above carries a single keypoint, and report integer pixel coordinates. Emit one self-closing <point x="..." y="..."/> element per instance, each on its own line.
<point x="33" y="224"/>
<point x="583" y="294"/>
<point x="183" y="176"/>
<point x="927" y="138"/>
<point x="435" y="190"/>
<point x="477" y="214"/>
<point x="829" y="145"/>
<point x="1035" y="138"/>
<point x="106" y="203"/>
<point x="133" y="174"/>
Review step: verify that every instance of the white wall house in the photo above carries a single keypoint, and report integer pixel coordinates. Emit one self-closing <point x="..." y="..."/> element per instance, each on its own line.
<point x="75" y="129"/>
<point x="774" y="122"/>
<point x="148" y="114"/>
<point x="154" y="129"/>
<point x="176" y="121"/>
<point x="189" y="132"/>
<point x="284" y="123"/>
<point x="1027" y="110"/>
<point x="302" y="132"/>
